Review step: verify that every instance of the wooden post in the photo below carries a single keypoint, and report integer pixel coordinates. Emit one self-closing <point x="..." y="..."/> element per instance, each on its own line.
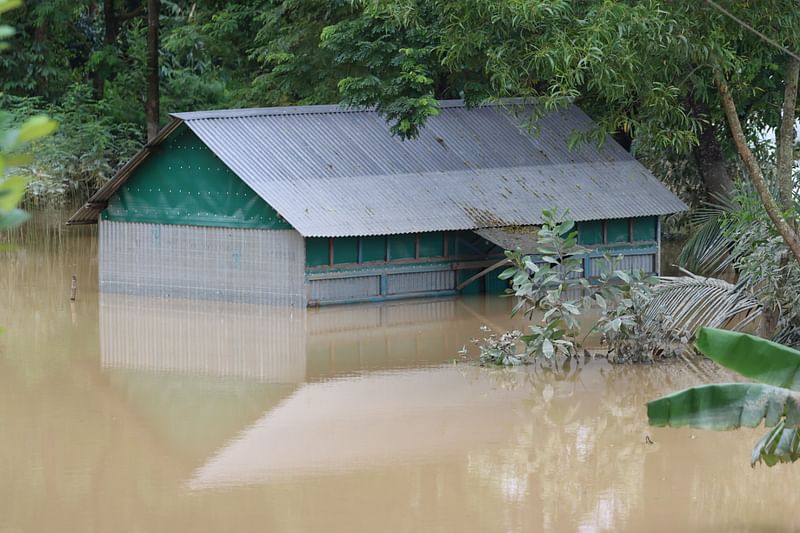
<point x="482" y="273"/>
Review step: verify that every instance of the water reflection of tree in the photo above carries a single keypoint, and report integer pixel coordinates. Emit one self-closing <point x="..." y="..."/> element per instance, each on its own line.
<point x="578" y="455"/>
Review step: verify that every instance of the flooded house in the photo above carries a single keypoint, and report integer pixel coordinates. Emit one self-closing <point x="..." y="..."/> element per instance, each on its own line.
<point x="316" y="205"/>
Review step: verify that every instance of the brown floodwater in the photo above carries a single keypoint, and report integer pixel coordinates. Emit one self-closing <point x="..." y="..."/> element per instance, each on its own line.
<point x="128" y="414"/>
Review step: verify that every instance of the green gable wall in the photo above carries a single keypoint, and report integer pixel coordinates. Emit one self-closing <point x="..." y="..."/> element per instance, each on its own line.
<point x="183" y="182"/>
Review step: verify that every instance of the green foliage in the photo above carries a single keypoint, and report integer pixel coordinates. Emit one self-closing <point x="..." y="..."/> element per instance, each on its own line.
<point x="294" y="67"/>
<point x="11" y="192"/>
<point x="765" y="266"/>
<point x="775" y="401"/>
<point x="630" y="328"/>
<point x="692" y="301"/>
<point x="707" y="251"/>
<point x="644" y="71"/>
<point x="631" y="64"/>
<point x="69" y="64"/>
<point x="551" y="287"/>
<point x="14" y="141"/>
<point x="634" y="66"/>
<point x="642" y="317"/>
<point x="83" y="153"/>
<point x="501" y="349"/>
<point x="736" y="236"/>
<point x="392" y="65"/>
<point x="541" y="287"/>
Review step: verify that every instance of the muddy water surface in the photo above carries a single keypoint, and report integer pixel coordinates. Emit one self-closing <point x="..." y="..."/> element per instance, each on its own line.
<point x="129" y="414"/>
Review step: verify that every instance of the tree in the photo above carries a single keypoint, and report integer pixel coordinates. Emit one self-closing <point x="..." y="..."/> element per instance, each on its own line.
<point x="645" y="71"/>
<point x="98" y="81"/>
<point x="152" y="107"/>
<point x="105" y="60"/>
<point x="12" y="145"/>
<point x="782" y="212"/>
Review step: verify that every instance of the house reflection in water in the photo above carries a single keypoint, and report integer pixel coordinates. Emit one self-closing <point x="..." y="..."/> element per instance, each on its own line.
<point x="280" y="345"/>
<point x="245" y="416"/>
<point x="254" y="390"/>
<point x="203" y="337"/>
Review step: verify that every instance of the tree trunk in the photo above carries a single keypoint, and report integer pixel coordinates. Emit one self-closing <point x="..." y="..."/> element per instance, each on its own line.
<point x="786" y="231"/>
<point x="110" y="34"/>
<point x="785" y="140"/>
<point x="768" y="324"/>
<point x="152" y="103"/>
<point x="41" y="33"/>
<point x="708" y="154"/>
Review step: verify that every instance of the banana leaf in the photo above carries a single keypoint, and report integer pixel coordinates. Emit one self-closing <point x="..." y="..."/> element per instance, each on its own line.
<point x="781" y="445"/>
<point x="726" y="406"/>
<point x="752" y="357"/>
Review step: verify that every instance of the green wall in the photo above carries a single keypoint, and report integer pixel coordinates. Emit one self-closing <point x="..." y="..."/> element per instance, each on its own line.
<point x="618" y="231"/>
<point x="183" y="182"/>
<point x="460" y="245"/>
<point x="407" y="247"/>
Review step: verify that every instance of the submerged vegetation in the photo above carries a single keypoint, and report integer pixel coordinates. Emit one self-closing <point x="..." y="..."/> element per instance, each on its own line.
<point x="644" y="318"/>
<point x="641" y="317"/>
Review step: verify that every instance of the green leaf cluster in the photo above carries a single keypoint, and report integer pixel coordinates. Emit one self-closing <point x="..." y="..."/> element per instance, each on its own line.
<point x="13" y="143"/>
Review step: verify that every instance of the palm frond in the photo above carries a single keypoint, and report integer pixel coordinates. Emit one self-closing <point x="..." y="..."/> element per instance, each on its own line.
<point x="691" y="301"/>
<point x="708" y="250"/>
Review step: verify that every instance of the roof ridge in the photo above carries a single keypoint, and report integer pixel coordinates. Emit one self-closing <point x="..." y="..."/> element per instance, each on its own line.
<point x="321" y="109"/>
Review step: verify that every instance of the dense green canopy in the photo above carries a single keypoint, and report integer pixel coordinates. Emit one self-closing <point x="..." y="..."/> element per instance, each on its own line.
<point x="644" y="70"/>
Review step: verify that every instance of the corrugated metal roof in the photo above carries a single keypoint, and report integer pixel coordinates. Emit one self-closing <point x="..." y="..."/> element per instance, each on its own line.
<point x="336" y="172"/>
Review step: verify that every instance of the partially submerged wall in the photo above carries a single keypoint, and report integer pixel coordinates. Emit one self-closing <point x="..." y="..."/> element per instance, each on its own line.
<point x="231" y="264"/>
<point x="378" y="268"/>
<point x="185" y="226"/>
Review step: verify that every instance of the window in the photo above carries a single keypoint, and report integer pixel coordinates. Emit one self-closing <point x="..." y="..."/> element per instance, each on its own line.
<point x="590" y="232"/>
<point x="644" y="229"/>
<point x="431" y="244"/>
<point x="345" y="250"/>
<point x="373" y="249"/>
<point x="402" y="246"/>
<point x="317" y="251"/>
<point x="617" y="230"/>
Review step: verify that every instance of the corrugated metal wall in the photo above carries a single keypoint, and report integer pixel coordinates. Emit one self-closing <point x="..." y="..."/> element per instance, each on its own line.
<point x="634" y="262"/>
<point x="339" y="289"/>
<point x="234" y="265"/>
<point x="441" y="280"/>
<point x="401" y="282"/>
<point x="410" y="282"/>
<point x="202" y="337"/>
